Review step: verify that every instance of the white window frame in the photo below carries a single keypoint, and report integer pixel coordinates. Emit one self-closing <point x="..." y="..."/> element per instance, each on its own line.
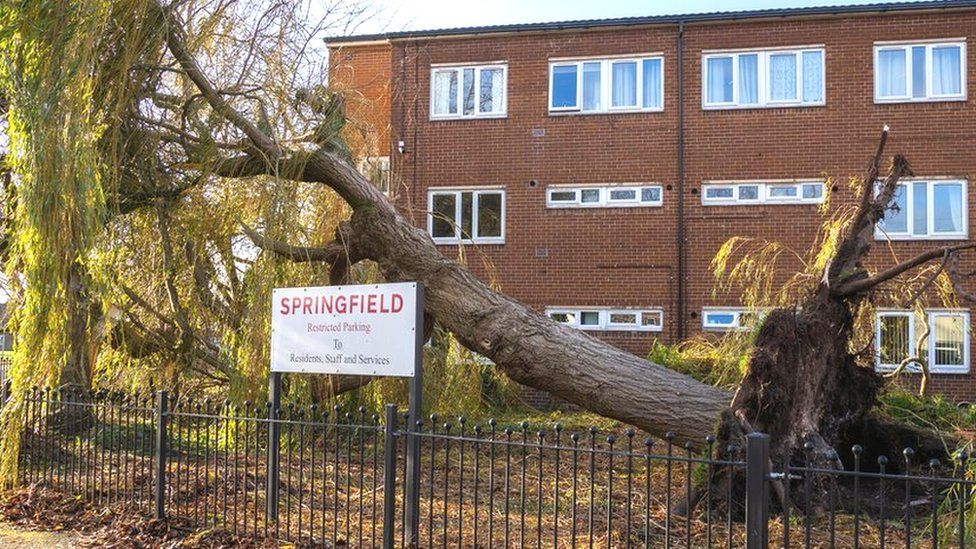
<point x="906" y="47"/>
<point x="605" y="201"/>
<point x="763" y="195"/>
<point x="880" y="233"/>
<point x="605" y="325"/>
<point x="606" y="84"/>
<point x="931" y="315"/>
<point x="736" y="313"/>
<point x="459" y="69"/>
<point x="762" y="67"/>
<point x="458" y="237"/>
<point x="383" y="163"/>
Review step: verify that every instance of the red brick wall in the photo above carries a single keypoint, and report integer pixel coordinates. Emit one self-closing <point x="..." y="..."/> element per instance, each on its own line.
<point x="362" y="74"/>
<point x="627" y="257"/>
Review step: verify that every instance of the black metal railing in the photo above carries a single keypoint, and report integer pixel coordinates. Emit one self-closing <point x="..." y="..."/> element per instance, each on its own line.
<point x="334" y="476"/>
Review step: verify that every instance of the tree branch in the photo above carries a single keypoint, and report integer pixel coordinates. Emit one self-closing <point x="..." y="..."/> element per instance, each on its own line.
<point x="865" y="284"/>
<point x="176" y="42"/>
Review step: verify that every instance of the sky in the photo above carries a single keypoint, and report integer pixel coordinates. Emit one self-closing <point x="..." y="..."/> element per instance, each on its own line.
<point x="399" y="15"/>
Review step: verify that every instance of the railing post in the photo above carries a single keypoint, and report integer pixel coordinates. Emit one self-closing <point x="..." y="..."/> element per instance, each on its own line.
<point x="757" y="491"/>
<point x="389" y="476"/>
<point x="274" y="448"/>
<point x="160" y="496"/>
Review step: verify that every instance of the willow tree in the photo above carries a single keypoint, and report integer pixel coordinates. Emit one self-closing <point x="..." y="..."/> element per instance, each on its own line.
<point x="210" y="121"/>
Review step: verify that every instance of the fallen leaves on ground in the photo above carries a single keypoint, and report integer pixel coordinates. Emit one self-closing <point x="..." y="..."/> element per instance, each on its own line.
<point x="112" y="527"/>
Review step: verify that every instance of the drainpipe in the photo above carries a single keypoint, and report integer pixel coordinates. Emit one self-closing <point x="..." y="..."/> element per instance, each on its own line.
<point x="680" y="244"/>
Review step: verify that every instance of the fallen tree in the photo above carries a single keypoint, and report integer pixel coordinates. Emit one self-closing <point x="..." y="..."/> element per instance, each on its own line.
<point x="804" y="385"/>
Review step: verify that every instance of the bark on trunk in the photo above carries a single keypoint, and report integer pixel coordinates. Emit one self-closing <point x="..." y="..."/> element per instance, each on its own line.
<point x="527" y="346"/>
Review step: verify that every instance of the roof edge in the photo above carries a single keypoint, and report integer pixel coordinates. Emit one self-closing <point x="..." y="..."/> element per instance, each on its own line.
<point x="362" y="39"/>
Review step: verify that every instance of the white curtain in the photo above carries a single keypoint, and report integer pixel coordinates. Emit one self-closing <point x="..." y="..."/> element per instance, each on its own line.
<point x="624" y="84"/>
<point x="948" y="207"/>
<point x="445" y="92"/>
<point x="591" y="87"/>
<point x="946" y="71"/>
<point x="891" y="73"/>
<point x="652" y="84"/>
<point x="749" y="79"/>
<point x="782" y="77"/>
<point x="719" y="72"/>
<point x="812" y="76"/>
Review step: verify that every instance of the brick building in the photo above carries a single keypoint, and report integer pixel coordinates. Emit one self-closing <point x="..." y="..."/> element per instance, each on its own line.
<point x="592" y="169"/>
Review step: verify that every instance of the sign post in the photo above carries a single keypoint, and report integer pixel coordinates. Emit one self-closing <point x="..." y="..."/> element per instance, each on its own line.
<point x="411" y="519"/>
<point x="365" y="330"/>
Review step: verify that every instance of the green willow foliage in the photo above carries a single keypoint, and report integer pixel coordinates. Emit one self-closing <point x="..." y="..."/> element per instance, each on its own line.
<point x="63" y="74"/>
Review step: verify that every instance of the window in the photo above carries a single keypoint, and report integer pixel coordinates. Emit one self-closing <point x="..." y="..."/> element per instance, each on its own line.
<point x="607" y="85"/>
<point x="919" y="72"/>
<point x="926" y="210"/>
<point x="939" y="338"/>
<point x="738" y="319"/>
<point x="749" y="192"/>
<point x="773" y="78"/>
<point x="468" y="92"/>
<point x="377" y="170"/>
<point x="627" y="320"/>
<point x="606" y="196"/>
<point x="466" y="216"/>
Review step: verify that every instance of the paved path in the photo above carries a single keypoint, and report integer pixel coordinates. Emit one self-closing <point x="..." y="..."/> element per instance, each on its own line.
<point x="13" y="537"/>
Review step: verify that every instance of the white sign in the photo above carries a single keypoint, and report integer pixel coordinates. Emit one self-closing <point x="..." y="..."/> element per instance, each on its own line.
<point x="356" y="330"/>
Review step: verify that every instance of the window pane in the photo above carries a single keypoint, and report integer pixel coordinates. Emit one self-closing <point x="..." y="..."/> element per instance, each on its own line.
<point x="650" y="318"/>
<point x="947" y="207"/>
<point x="589" y="318"/>
<point x="719" y="192"/>
<point x="719" y="319"/>
<point x="893" y="339"/>
<point x="623" y="194"/>
<point x="468" y="91"/>
<point x="748" y="319"/>
<point x="748" y="192"/>
<point x="445" y="92"/>
<point x="443" y="213"/>
<point x="950" y="340"/>
<point x="920" y="213"/>
<point x="946" y="70"/>
<point x="592" y="94"/>
<point x="623" y="318"/>
<point x="564" y="86"/>
<point x="782" y="191"/>
<point x="562" y="196"/>
<point x="891" y="73"/>
<point x="652" y="84"/>
<point x="918" y="71"/>
<point x="896" y="217"/>
<point x="812" y="76"/>
<point x="782" y="77"/>
<point x="812" y="191"/>
<point x="749" y="79"/>
<point x="650" y="194"/>
<point x="588" y="196"/>
<point x="492" y="90"/>
<point x="563" y="318"/>
<point x="719" y="73"/>
<point x="489" y="215"/>
<point x="624" y="86"/>
<point x="467" y="214"/>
